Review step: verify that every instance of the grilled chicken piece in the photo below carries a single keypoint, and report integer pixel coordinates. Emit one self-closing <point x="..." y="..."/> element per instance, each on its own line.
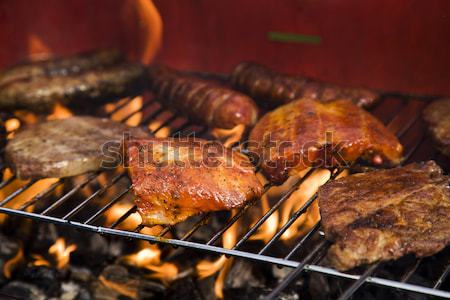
<point x="68" y="147"/>
<point x="272" y="88"/>
<point x="174" y="179"/>
<point x="202" y="101"/>
<point x="308" y="133"/>
<point x="437" y="115"/>
<point x="386" y="214"/>
<point x="61" y="66"/>
<point x="93" y="87"/>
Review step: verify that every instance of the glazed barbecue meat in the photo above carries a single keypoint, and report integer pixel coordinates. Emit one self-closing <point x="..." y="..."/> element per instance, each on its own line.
<point x="437" y="115"/>
<point x="308" y="133"/>
<point x="92" y="87"/>
<point x="272" y="88"/>
<point x="386" y="214"/>
<point x="61" y="66"/>
<point x="173" y="179"/>
<point x="68" y="147"/>
<point x="200" y="100"/>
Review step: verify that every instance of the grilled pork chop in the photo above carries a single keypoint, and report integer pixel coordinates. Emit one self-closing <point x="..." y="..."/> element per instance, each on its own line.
<point x="437" y="115"/>
<point x="68" y="147"/>
<point x="306" y="133"/>
<point x="386" y="214"/>
<point x="174" y="179"/>
<point x="95" y="86"/>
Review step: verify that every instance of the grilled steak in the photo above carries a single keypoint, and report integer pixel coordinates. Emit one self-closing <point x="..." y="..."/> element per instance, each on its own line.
<point x="94" y="87"/>
<point x="386" y="214"/>
<point x="272" y="88"/>
<point x="437" y="115"/>
<point x="202" y="101"/>
<point x="174" y="179"/>
<point x="67" y="147"/>
<point x="308" y="133"/>
<point x="61" y="66"/>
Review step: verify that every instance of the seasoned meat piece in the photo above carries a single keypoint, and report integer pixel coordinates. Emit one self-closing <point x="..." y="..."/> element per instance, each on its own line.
<point x="92" y="87"/>
<point x="67" y="147"/>
<point x="308" y="133"/>
<point x="437" y="115"/>
<point x="386" y="214"/>
<point x="202" y="101"/>
<point x="62" y="65"/>
<point x="174" y="179"/>
<point x="270" y="87"/>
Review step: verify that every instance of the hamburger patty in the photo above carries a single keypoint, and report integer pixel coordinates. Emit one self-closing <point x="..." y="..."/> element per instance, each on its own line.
<point x="94" y="87"/>
<point x="437" y="115"/>
<point x="68" y="147"/>
<point x="386" y="214"/>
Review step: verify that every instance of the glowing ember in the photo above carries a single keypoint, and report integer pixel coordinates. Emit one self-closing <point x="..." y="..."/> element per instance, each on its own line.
<point x="9" y="266"/>
<point x="12" y="124"/>
<point x="60" y="112"/>
<point x="61" y="253"/>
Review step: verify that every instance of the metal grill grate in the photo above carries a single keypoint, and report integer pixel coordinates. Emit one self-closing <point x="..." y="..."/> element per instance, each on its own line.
<point x="400" y="114"/>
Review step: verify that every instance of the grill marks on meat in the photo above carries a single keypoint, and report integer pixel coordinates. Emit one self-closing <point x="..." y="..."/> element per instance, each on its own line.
<point x="275" y="89"/>
<point x="68" y="147"/>
<point x="94" y="87"/>
<point x="202" y="101"/>
<point x="62" y="66"/>
<point x="386" y="214"/>
<point x="437" y="115"/>
<point x="173" y="179"/>
<point x="308" y="133"/>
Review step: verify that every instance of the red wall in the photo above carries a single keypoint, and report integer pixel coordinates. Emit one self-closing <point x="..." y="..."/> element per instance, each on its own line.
<point x="391" y="45"/>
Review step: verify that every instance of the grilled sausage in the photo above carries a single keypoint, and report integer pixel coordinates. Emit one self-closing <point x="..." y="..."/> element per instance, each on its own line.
<point x="62" y="65"/>
<point x="96" y="86"/>
<point x="273" y="89"/>
<point x="200" y="100"/>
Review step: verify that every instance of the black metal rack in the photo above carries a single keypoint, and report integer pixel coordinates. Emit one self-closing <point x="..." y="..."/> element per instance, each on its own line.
<point x="401" y="115"/>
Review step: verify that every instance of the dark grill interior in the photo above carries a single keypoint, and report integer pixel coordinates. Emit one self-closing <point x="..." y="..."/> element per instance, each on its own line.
<point x="110" y="188"/>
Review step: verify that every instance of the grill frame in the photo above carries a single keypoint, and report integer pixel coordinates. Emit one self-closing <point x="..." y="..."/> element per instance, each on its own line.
<point x="308" y="263"/>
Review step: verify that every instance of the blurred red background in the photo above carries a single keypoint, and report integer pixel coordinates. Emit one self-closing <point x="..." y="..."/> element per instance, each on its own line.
<point x="391" y="45"/>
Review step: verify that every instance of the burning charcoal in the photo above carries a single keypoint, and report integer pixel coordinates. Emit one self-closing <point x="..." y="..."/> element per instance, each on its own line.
<point x="69" y="291"/>
<point x="246" y="274"/>
<point x="80" y="274"/>
<point x="22" y="290"/>
<point x="184" y="289"/>
<point x="47" y="279"/>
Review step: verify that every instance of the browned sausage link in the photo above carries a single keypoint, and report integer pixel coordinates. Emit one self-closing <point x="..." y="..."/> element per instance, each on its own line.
<point x="272" y="88"/>
<point x="200" y="100"/>
<point x="62" y="66"/>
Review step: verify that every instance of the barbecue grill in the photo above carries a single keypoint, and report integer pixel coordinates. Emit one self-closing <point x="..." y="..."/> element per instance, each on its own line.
<point x="401" y="113"/>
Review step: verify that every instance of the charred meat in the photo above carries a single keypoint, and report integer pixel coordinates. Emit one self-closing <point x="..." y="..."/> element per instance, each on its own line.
<point x="174" y="179"/>
<point x="93" y="87"/>
<point x="273" y="89"/>
<point x="308" y="133"/>
<point x="61" y="66"/>
<point x="437" y="115"/>
<point x="68" y="147"/>
<point x="386" y="214"/>
<point x="202" y="101"/>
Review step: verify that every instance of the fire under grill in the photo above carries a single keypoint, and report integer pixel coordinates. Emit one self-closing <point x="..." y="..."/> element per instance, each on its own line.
<point x="304" y="253"/>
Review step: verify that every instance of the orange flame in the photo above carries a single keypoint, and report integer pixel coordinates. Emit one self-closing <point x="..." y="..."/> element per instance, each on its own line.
<point x="229" y="136"/>
<point x="9" y="266"/>
<point x="61" y="253"/>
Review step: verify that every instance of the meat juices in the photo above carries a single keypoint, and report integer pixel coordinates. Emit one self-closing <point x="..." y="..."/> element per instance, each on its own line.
<point x="274" y="89"/>
<point x="386" y="214"/>
<point x="307" y="133"/>
<point x="173" y="179"/>
<point x="202" y="101"/>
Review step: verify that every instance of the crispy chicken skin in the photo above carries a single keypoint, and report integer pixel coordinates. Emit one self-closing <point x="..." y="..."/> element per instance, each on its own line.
<point x="308" y="133"/>
<point x="174" y="179"/>
<point x="386" y="214"/>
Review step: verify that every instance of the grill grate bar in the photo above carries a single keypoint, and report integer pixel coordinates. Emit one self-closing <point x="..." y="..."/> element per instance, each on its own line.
<point x="122" y="218"/>
<point x="17" y="192"/>
<point x="41" y="195"/>
<point x="258" y="224"/>
<point x="358" y="283"/>
<point x="442" y="278"/>
<point x="302" y="241"/>
<point x="407" y="275"/>
<point x="7" y="181"/>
